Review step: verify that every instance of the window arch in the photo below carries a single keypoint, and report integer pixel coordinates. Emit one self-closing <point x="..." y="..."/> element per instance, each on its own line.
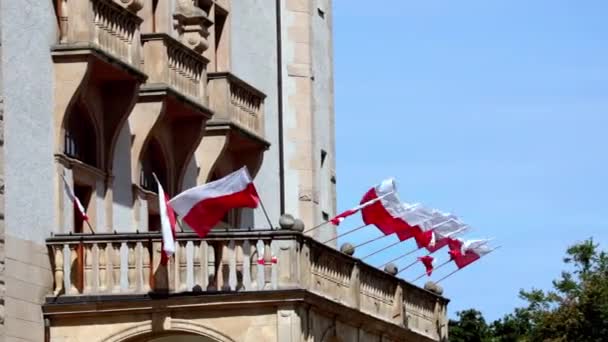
<point x="80" y="137"/>
<point x="153" y="162"/>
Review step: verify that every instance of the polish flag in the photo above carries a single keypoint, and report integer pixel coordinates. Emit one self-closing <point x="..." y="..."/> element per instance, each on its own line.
<point x="428" y="262"/>
<point x="167" y="223"/>
<point x="444" y="234"/>
<point x="425" y="235"/>
<point x="79" y="207"/>
<point x="470" y="252"/>
<point x="387" y="212"/>
<point x="340" y="217"/>
<point x="202" y="207"/>
<point x="417" y="217"/>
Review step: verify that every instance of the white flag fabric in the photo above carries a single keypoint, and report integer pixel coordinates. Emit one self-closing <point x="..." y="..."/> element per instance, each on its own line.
<point x="167" y="221"/>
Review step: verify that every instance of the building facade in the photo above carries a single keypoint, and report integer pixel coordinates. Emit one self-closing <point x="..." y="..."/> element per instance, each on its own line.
<point x="102" y="96"/>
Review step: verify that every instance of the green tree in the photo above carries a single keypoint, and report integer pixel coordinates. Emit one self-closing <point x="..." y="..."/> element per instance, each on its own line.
<point x="470" y="327"/>
<point x="576" y="309"/>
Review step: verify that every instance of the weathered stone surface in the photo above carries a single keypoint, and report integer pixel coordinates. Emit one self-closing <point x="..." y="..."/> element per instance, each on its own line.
<point x="391" y="269"/>
<point x="347" y="249"/>
<point x="298" y="225"/>
<point x="286" y="221"/>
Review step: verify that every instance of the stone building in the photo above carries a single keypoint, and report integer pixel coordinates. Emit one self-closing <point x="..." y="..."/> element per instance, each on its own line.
<point x="99" y="95"/>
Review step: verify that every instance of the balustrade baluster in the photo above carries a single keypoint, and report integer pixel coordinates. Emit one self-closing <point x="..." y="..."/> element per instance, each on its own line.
<point x="267" y="265"/>
<point x="183" y="266"/>
<point x="58" y="265"/>
<point x="132" y="267"/>
<point x="211" y="269"/>
<point x="253" y="261"/>
<point x="88" y="268"/>
<point x="197" y="264"/>
<point x="75" y="275"/>
<point x="238" y="256"/>
<point x="115" y="266"/>
<point x="103" y="267"/>
<point x="145" y="265"/>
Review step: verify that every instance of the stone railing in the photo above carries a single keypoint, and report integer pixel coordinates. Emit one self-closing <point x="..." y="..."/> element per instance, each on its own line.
<point x="240" y="261"/>
<point x="176" y="65"/>
<point x="234" y="100"/>
<point x="102" y="24"/>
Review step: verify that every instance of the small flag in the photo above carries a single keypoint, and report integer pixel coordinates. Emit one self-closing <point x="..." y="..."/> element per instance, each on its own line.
<point x="79" y="207"/>
<point x="167" y="223"/>
<point x="202" y="207"/>
<point x="273" y="260"/>
<point x="469" y="252"/>
<point x="428" y="262"/>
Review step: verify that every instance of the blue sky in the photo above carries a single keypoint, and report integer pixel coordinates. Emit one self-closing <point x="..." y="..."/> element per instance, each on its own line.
<point x="496" y="111"/>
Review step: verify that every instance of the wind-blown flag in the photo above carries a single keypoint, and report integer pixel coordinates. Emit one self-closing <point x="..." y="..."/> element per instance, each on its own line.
<point x="340" y="217"/>
<point x="386" y="213"/>
<point x="428" y="262"/>
<point x="202" y="207"/>
<point x="416" y="216"/>
<point x="470" y="252"/>
<point x="425" y="235"/>
<point x="167" y="223"/>
<point x="79" y="207"/>
<point x="444" y="234"/>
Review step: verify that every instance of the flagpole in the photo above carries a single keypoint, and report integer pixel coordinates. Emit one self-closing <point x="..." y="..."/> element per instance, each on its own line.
<point x="361" y="206"/>
<point x="378" y="251"/>
<point x="401" y="257"/>
<point x="341" y="235"/>
<point x="456" y="270"/>
<point x="366" y="242"/>
<point x="90" y="227"/>
<point x="434" y="269"/>
<point x="265" y="213"/>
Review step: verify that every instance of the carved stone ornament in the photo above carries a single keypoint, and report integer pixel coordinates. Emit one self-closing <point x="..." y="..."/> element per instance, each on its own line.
<point x="192" y="25"/>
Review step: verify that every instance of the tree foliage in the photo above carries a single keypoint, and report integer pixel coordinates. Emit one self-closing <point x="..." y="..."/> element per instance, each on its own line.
<point x="575" y="309"/>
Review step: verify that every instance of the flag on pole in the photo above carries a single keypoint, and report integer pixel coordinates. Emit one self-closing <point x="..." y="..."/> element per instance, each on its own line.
<point x="202" y="207"/>
<point x="470" y="252"/>
<point x="340" y="217"/>
<point x="416" y="217"/>
<point x="443" y="236"/>
<point x="425" y="235"/>
<point x="167" y="223"/>
<point x="79" y="207"/>
<point x="386" y="213"/>
<point x="428" y="262"/>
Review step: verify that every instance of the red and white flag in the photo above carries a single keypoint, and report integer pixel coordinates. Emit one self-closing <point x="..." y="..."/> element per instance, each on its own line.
<point x="340" y="217"/>
<point x="469" y="252"/>
<point x="386" y="213"/>
<point x="425" y="235"/>
<point x="444" y="234"/>
<point x="167" y="223"/>
<point x="417" y="217"/>
<point x="203" y="207"/>
<point x="429" y="264"/>
<point x="79" y="207"/>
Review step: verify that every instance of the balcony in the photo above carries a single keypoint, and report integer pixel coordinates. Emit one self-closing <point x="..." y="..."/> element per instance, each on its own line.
<point x="238" y="265"/>
<point x="101" y="27"/>
<point x="171" y="64"/>
<point x="237" y="103"/>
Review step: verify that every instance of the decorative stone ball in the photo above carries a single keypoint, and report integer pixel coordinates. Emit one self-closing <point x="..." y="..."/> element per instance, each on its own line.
<point x="391" y="269"/>
<point x="286" y="221"/>
<point x="347" y="249"/>
<point x="298" y="225"/>
<point x="431" y="286"/>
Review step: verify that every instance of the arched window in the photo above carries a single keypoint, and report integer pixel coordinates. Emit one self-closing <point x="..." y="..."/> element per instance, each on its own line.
<point x="80" y="143"/>
<point x="80" y="140"/>
<point x="153" y="163"/>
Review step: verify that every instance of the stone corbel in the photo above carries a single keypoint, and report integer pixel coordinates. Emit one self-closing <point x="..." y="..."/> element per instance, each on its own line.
<point x="132" y="5"/>
<point x="192" y="25"/>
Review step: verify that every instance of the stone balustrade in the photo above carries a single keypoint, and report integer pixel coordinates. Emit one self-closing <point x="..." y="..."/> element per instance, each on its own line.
<point x="236" y="261"/>
<point x="101" y="24"/>
<point x="176" y="65"/>
<point x="234" y="100"/>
